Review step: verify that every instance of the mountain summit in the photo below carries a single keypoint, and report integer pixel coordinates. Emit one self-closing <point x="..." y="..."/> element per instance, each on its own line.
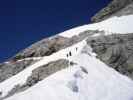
<point x="89" y="62"/>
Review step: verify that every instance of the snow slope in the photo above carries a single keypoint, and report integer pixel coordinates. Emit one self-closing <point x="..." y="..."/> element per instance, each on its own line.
<point x="89" y="79"/>
<point x="21" y="77"/>
<point x="121" y="25"/>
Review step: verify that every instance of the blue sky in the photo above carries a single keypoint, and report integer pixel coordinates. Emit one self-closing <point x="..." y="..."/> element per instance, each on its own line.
<point x="23" y="22"/>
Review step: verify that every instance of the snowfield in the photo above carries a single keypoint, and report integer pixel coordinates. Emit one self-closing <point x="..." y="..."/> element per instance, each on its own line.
<point x="88" y="79"/>
<point x="21" y="77"/>
<point x="120" y="25"/>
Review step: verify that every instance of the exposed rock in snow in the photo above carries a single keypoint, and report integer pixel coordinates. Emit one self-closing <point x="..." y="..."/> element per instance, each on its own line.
<point x="11" y="68"/>
<point x="115" y="8"/>
<point x="69" y="66"/>
<point x="51" y="45"/>
<point x="116" y="51"/>
<point x="84" y="79"/>
<point x="109" y="26"/>
<point x="39" y="74"/>
<point x="20" y="78"/>
<point x="44" y="47"/>
<point x="46" y="70"/>
<point x="101" y="83"/>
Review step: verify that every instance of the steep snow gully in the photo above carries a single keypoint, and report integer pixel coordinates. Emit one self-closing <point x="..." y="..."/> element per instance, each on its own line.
<point x="88" y="79"/>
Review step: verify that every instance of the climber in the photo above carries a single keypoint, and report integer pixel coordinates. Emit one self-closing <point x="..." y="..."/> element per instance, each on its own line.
<point x="67" y="55"/>
<point x="70" y="54"/>
<point x="76" y="48"/>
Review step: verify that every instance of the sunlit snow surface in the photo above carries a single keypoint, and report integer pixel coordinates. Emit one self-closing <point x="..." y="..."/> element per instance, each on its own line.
<point x="89" y="79"/>
<point x="120" y="25"/>
<point x="21" y="77"/>
<point x="99" y="82"/>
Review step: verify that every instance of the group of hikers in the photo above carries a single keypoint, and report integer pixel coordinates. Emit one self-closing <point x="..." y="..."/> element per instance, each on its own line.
<point x="70" y="53"/>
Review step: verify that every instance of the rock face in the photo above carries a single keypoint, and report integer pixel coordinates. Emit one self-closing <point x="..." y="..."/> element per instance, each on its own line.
<point x="10" y="69"/>
<point x="115" y="8"/>
<point x="39" y="74"/>
<point x="46" y="70"/>
<point x="42" y="48"/>
<point x="116" y="51"/>
<point x="50" y="45"/>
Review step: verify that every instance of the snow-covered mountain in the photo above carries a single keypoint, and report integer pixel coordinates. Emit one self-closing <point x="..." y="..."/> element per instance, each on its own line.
<point x="89" y="62"/>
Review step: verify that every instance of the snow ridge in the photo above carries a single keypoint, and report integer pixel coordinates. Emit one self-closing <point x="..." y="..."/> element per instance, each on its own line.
<point x="21" y="77"/>
<point x="89" y="79"/>
<point x="112" y="25"/>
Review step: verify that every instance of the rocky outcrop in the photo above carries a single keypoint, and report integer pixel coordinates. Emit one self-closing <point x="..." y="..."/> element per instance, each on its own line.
<point x="115" y="8"/>
<point x="44" y="47"/>
<point x="11" y="68"/>
<point x="116" y="51"/>
<point x="128" y="10"/>
<point x="51" y="45"/>
<point x="46" y="70"/>
<point x="39" y="74"/>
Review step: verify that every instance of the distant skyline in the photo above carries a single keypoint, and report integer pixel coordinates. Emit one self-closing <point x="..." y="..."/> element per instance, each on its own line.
<point x="24" y="22"/>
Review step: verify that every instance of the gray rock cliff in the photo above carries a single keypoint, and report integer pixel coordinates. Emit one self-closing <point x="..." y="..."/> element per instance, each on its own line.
<point x="115" y="8"/>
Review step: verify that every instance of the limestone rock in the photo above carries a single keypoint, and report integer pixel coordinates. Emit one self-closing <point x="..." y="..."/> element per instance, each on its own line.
<point x="116" y="51"/>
